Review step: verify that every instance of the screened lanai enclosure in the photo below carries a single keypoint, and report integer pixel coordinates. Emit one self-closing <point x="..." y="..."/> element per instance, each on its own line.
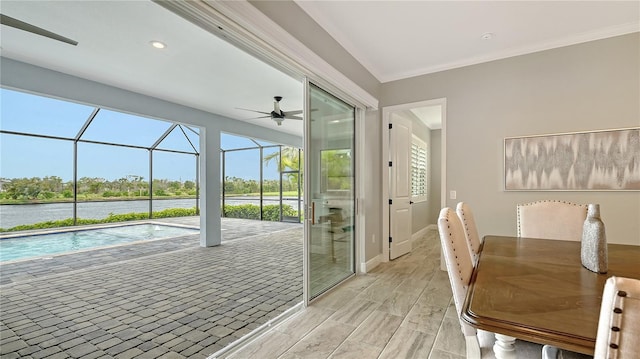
<point x="64" y="163"/>
<point x="67" y="163"/>
<point x="260" y="180"/>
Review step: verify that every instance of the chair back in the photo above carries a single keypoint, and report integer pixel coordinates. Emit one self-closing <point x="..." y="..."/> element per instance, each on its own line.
<point x="457" y="259"/>
<point x="551" y="219"/>
<point x="619" y="326"/>
<point x="470" y="230"/>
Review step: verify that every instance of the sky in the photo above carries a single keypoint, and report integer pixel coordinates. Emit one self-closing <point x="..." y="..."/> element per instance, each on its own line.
<point x="24" y="156"/>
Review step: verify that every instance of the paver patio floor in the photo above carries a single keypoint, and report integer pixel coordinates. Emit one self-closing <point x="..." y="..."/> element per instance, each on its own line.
<point x="167" y="298"/>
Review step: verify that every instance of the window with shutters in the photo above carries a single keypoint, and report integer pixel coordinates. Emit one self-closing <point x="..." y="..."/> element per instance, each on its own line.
<point x="418" y="170"/>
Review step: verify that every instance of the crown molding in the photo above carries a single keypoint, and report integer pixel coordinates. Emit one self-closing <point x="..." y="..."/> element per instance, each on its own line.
<point x="311" y="8"/>
<point x="600" y="34"/>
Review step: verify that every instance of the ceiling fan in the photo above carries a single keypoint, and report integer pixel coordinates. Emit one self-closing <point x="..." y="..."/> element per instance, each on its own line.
<point x="21" y="25"/>
<point x="277" y="114"/>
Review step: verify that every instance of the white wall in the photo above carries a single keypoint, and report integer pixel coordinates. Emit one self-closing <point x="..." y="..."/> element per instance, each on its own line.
<point x="373" y="186"/>
<point x="583" y="87"/>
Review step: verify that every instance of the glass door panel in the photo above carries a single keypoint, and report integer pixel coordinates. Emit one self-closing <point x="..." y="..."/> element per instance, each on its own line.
<point x="331" y="218"/>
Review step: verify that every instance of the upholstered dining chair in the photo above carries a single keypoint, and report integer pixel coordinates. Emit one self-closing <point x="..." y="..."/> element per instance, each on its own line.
<point x="479" y="343"/>
<point x="618" y="334"/>
<point x="470" y="229"/>
<point x="619" y="325"/>
<point x="551" y="219"/>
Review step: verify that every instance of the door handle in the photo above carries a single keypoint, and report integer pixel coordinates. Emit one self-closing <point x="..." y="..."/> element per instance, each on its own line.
<point x="410" y="202"/>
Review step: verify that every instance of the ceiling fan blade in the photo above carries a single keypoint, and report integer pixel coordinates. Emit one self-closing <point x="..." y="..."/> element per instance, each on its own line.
<point x="297" y="112"/>
<point x="21" y="25"/>
<point x="255" y="118"/>
<point x="293" y="117"/>
<point x="246" y="109"/>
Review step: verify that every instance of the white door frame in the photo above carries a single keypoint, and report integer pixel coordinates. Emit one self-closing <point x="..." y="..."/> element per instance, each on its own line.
<point x="386" y="119"/>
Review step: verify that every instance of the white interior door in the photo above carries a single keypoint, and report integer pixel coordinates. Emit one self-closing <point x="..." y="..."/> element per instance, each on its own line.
<point x="399" y="187"/>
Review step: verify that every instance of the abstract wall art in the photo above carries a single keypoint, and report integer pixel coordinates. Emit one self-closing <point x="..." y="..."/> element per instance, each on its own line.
<point x="605" y="160"/>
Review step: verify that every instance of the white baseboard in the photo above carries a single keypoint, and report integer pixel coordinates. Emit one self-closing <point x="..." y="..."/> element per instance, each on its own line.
<point x="370" y="264"/>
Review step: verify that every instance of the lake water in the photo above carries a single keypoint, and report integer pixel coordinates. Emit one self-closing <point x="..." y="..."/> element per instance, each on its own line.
<point x="18" y="214"/>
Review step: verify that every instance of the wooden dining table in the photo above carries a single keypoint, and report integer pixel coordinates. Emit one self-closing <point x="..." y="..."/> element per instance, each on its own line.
<point x="537" y="290"/>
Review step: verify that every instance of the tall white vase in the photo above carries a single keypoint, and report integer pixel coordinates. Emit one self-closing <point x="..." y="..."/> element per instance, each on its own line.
<point x="593" y="251"/>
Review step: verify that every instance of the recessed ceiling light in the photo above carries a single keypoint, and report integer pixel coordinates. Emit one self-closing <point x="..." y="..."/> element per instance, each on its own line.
<point x="487" y="36"/>
<point x="158" y="44"/>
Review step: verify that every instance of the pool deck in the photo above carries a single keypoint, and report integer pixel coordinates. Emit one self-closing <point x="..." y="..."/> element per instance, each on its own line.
<point x="166" y="298"/>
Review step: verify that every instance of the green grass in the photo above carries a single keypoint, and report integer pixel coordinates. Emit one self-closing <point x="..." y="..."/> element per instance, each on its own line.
<point x="273" y="194"/>
<point x="111" y="218"/>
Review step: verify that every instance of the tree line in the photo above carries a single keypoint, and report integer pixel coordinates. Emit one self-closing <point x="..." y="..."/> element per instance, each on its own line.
<point x="235" y="185"/>
<point x="54" y="187"/>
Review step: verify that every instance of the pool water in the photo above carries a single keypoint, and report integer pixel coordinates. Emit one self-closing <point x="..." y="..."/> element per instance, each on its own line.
<point x="61" y="242"/>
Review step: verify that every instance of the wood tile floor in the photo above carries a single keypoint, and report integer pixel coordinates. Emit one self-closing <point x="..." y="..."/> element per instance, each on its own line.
<point x="402" y="309"/>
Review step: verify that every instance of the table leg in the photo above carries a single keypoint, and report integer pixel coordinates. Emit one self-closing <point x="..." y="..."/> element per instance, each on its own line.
<point x="505" y="347"/>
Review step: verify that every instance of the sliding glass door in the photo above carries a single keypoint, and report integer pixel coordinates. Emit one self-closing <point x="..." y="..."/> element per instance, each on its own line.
<point x="330" y="193"/>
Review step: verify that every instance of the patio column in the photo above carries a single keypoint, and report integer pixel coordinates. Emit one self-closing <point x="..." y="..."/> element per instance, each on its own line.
<point x="210" y="223"/>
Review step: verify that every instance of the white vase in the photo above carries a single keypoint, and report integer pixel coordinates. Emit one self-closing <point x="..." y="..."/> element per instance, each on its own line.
<point x="593" y="250"/>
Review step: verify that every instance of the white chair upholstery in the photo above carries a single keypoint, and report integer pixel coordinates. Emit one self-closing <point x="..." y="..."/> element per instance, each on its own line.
<point x="618" y="335"/>
<point x="470" y="229"/>
<point x="459" y="264"/>
<point x="551" y="219"/>
<point x="619" y="326"/>
<point x="457" y="258"/>
<point x="459" y="268"/>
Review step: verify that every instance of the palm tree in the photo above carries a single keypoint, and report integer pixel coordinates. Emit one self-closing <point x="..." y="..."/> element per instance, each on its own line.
<point x="292" y="160"/>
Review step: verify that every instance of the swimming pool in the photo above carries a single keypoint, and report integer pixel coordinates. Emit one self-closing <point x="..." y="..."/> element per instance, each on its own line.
<point x="24" y="247"/>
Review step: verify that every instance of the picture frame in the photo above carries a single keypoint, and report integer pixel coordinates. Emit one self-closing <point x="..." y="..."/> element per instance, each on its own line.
<point x="602" y="160"/>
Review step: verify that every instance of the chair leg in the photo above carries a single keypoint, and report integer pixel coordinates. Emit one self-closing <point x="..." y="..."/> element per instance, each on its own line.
<point x="550" y="352"/>
<point x="505" y="347"/>
<point x="473" y="347"/>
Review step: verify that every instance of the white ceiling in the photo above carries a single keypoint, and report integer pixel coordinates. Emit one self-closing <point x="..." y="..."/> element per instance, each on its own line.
<point x="400" y="39"/>
<point x="392" y="39"/>
<point x="196" y="69"/>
